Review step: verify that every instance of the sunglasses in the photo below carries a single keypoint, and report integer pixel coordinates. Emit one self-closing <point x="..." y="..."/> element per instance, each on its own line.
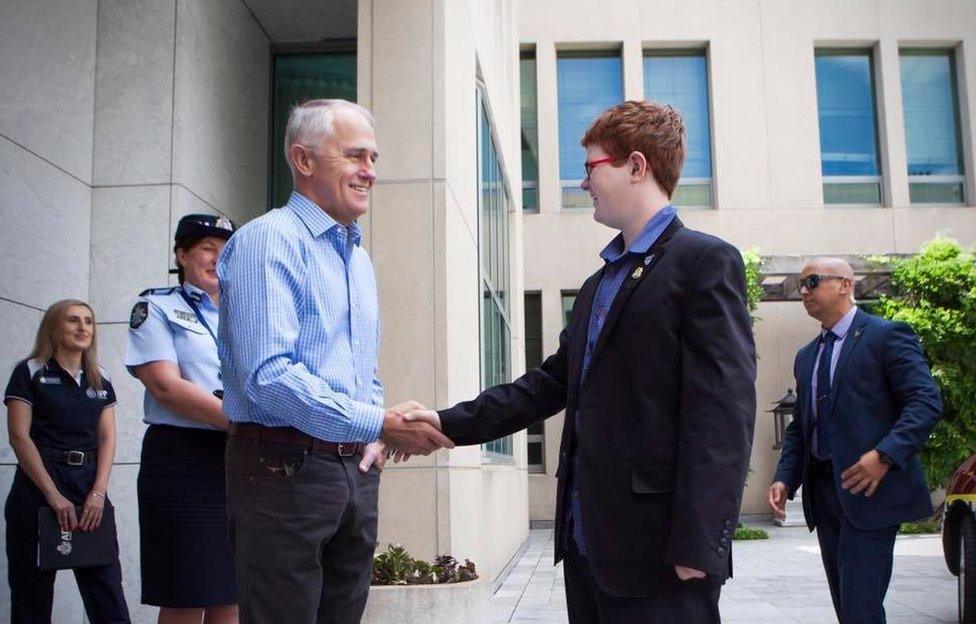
<point x="812" y="281"/>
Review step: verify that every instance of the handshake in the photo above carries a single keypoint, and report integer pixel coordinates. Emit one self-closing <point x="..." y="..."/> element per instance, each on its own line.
<point x="408" y="429"/>
<point x="411" y="429"/>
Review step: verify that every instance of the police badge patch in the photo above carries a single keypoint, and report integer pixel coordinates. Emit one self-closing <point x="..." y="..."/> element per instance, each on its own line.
<point x="140" y="312"/>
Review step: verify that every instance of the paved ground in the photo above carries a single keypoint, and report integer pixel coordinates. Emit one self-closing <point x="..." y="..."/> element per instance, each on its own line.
<point x="777" y="581"/>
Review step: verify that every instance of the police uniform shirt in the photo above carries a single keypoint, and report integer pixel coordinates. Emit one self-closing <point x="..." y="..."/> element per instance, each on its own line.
<point x="65" y="410"/>
<point x="164" y="327"/>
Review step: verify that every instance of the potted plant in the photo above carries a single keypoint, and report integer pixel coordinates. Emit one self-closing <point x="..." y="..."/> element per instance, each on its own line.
<point x="405" y="589"/>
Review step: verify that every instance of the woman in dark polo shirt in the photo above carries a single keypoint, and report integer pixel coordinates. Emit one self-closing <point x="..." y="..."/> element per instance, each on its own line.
<point x="61" y="423"/>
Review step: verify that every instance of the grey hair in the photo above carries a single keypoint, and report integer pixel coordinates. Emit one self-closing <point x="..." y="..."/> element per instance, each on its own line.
<point x="315" y="119"/>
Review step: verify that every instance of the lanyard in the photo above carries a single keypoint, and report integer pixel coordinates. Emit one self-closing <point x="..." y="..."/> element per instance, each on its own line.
<point x="189" y="301"/>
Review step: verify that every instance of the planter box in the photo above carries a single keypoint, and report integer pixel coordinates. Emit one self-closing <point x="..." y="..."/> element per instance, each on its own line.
<point x="453" y="603"/>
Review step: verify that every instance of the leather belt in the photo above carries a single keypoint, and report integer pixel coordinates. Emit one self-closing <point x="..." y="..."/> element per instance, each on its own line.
<point x="289" y="436"/>
<point x="71" y="458"/>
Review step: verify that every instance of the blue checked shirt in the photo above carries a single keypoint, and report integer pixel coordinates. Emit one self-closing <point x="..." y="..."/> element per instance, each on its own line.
<point x="299" y="326"/>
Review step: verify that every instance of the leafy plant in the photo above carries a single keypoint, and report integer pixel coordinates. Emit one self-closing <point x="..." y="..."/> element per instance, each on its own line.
<point x="935" y="293"/>
<point x="919" y="528"/>
<point x="754" y="277"/>
<point x="395" y="566"/>
<point x="743" y="533"/>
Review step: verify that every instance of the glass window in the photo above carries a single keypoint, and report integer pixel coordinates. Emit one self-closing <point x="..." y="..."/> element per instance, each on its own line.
<point x="569" y="299"/>
<point x="533" y="359"/>
<point x="494" y="207"/>
<point x="298" y="78"/>
<point x="588" y="84"/>
<point x="931" y="107"/>
<point x="848" y="127"/>
<point x="530" y="134"/>
<point x="680" y="78"/>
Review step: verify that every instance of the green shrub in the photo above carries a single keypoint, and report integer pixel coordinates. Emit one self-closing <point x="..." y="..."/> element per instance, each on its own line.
<point x="754" y="278"/>
<point x="935" y="293"/>
<point x="919" y="528"/>
<point x="747" y="533"/>
<point x="395" y="566"/>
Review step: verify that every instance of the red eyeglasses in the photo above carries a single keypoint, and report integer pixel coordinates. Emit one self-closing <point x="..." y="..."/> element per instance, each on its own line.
<point x="590" y="164"/>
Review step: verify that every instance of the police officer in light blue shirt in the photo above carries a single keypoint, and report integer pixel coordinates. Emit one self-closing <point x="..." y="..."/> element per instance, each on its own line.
<point x="185" y="556"/>
<point x="165" y="326"/>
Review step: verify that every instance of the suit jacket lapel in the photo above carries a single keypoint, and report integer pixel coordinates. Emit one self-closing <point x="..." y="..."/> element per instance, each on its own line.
<point x="580" y="324"/>
<point x="850" y="341"/>
<point x="804" y="386"/>
<point x="638" y="271"/>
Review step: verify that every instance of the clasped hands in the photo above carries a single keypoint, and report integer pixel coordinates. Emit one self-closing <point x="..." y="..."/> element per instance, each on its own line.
<point x="408" y="429"/>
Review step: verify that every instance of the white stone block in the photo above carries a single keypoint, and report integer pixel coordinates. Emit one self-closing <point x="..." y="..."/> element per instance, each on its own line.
<point x="129" y="427"/>
<point x="47" y="69"/>
<point x="44" y="241"/>
<point x="131" y="247"/>
<point x="134" y="95"/>
<point x="221" y="116"/>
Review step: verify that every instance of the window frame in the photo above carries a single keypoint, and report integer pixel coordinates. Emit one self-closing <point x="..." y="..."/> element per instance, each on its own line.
<point x="702" y="52"/>
<point x="574" y="184"/>
<point x="879" y="179"/>
<point x="494" y="270"/>
<point x="330" y="46"/>
<point x="943" y="179"/>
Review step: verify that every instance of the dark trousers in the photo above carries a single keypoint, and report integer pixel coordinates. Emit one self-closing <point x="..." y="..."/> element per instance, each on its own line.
<point x="302" y="525"/>
<point x="857" y="562"/>
<point x="32" y="589"/>
<point x="692" y="602"/>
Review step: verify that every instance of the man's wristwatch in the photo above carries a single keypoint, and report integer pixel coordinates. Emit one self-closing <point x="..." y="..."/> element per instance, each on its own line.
<point x="885" y="459"/>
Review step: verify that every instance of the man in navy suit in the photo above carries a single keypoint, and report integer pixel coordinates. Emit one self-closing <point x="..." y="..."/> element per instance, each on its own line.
<point x="866" y="402"/>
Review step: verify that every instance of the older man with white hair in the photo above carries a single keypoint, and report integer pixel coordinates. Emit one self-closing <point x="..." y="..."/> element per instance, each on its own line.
<point x="299" y="339"/>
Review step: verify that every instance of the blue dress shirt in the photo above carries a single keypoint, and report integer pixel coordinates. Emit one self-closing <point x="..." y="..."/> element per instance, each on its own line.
<point x="618" y="261"/>
<point x="172" y="332"/>
<point x="299" y="326"/>
<point x="840" y="330"/>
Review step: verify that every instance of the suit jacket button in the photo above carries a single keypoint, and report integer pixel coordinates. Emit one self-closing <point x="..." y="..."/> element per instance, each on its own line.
<point x="724" y="542"/>
<point x="728" y="524"/>
<point x="720" y="551"/>
<point x="726" y="533"/>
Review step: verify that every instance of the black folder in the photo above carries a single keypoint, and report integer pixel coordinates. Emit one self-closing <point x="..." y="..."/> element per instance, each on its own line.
<point x="61" y="550"/>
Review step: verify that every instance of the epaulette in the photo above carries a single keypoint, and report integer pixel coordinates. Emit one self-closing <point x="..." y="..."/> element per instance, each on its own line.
<point x="168" y="290"/>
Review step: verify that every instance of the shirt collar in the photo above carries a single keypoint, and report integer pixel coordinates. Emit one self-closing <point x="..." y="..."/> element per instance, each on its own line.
<point x="196" y="294"/>
<point x="653" y="229"/>
<point x="54" y="365"/>
<point x="842" y="326"/>
<point x="317" y="220"/>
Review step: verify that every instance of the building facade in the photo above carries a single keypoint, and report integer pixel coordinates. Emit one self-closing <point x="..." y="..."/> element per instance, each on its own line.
<point x="835" y="127"/>
<point x="117" y="117"/>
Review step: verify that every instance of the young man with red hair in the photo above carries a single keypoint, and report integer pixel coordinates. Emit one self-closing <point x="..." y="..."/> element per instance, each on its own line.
<point x="656" y="372"/>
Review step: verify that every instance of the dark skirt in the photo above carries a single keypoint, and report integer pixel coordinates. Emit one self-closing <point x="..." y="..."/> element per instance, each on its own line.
<point x="186" y="557"/>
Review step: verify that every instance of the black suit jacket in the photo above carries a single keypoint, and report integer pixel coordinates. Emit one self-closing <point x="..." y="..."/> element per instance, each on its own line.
<point x="666" y="411"/>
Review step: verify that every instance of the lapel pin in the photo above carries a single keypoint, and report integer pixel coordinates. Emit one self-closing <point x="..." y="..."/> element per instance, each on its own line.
<point x="648" y="259"/>
<point x="637" y="272"/>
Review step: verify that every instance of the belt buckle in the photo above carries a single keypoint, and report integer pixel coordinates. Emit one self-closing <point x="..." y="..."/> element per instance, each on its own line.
<point x="75" y="458"/>
<point x="346" y="449"/>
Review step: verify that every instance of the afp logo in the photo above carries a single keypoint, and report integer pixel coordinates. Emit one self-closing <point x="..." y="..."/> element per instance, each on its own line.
<point x="65" y="546"/>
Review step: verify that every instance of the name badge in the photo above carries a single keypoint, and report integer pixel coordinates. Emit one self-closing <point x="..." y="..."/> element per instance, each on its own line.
<point x="51" y="381"/>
